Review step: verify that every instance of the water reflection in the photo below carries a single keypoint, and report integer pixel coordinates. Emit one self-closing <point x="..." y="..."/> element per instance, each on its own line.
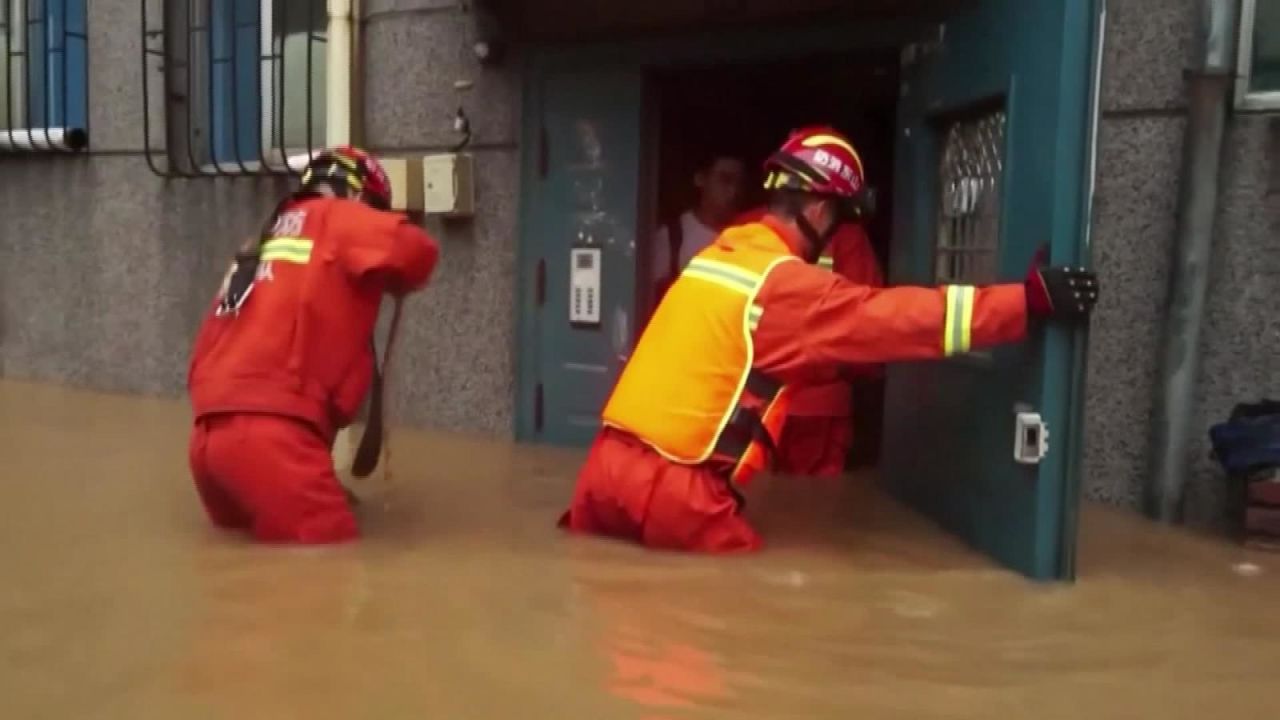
<point x="464" y="601"/>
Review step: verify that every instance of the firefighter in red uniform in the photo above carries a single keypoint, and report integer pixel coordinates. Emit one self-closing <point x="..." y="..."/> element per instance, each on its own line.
<point x="285" y="355"/>
<point x="818" y="434"/>
<point x="699" y="406"/>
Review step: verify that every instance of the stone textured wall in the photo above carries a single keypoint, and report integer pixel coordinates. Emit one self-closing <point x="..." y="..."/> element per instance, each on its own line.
<point x="1149" y="44"/>
<point x="106" y="268"/>
<point x="456" y="366"/>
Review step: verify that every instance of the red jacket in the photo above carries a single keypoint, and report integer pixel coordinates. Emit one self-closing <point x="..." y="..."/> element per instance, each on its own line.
<point x="853" y="259"/>
<point x="300" y="345"/>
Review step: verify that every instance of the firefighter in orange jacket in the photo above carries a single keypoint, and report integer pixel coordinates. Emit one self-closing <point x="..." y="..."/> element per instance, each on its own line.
<point x="699" y="407"/>
<point x="285" y="355"/>
<point x="819" y="430"/>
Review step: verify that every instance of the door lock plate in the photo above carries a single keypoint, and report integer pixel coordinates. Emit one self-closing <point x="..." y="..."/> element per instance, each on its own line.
<point x="1031" y="438"/>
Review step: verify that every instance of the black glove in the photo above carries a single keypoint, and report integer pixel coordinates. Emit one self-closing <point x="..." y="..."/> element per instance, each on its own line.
<point x="1061" y="294"/>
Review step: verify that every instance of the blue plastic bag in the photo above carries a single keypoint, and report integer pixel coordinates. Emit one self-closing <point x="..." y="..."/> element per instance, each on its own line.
<point x="1250" y="440"/>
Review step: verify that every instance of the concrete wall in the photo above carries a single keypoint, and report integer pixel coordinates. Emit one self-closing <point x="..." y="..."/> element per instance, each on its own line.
<point x="456" y="368"/>
<point x="1149" y="44"/>
<point x="104" y="269"/>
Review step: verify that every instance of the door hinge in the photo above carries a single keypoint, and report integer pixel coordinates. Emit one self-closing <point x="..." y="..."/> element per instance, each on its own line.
<point x="537" y="408"/>
<point x="938" y="42"/>
<point x="928" y="46"/>
<point x="540" y="283"/>
<point x="544" y="152"/>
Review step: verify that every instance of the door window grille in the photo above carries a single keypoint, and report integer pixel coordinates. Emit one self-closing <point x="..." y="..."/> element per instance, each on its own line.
<point x="971" y="172"/>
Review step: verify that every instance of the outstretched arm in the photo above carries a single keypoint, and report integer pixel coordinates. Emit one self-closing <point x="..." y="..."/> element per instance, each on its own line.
<point x="814" y="322"/>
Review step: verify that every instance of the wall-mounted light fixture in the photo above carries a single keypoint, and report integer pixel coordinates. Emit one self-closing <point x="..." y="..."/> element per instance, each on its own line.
<point x="489" y="40"/>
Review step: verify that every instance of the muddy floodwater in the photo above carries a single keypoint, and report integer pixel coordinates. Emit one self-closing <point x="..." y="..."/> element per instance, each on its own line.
<point x="118" y="600"/>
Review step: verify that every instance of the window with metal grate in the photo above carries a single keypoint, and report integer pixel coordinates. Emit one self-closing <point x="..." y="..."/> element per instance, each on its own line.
<point x="43" y="64"/>
<point x="239" y="85"/>
<point x="1258" y="86"/>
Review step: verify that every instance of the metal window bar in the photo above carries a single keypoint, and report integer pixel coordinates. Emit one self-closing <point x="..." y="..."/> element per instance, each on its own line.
<point x="199" y="52"/>
<point x="32" y="31"/>
<point x="311" y="25"/>
<point x="971" y="174"/>
<point x="12" y="51"/>
<point x="277" y="85"/>
<point x="198" y="35"/>
<point x="211" y="66"/>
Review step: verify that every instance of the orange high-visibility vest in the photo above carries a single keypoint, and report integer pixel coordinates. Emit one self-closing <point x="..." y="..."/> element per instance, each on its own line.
<point x="682" y="391"/>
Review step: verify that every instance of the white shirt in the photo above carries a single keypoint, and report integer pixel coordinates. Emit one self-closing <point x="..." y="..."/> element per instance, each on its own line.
<point x="696" y="237"/>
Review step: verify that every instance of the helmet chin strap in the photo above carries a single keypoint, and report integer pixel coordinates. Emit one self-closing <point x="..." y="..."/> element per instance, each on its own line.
<point x="817" y="241"/>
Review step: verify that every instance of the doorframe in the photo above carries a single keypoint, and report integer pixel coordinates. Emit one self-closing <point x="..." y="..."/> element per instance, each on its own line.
<point x="1077" y="390"/>
<point x="753" y="45"/>
<point x="729" y="47"/>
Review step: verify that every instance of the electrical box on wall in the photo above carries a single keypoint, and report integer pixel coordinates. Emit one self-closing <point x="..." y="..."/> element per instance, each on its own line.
<point x="398" y="173"/>
<point x="447" y="185"/>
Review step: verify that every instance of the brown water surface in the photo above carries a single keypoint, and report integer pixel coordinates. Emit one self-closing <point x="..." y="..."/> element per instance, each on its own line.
<point x="118" y="600"/>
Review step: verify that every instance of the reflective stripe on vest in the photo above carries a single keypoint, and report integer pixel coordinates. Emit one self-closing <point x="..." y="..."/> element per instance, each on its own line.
<point x="295" y="250"/>
<point x="957" y="334"/>
<point x="683" y="388"/>
<point x="724" y="275"/>
<point x="730" y="278"/>
<point x="826" y="262"/>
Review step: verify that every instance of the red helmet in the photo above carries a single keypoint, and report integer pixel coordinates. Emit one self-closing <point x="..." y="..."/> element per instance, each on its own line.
<point x="349" y="170"/>
<point x="821" y="161"/>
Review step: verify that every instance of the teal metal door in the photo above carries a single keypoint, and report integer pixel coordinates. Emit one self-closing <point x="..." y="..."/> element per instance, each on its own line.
<point x="582" y="178"/>
<point x="992" y="158"/>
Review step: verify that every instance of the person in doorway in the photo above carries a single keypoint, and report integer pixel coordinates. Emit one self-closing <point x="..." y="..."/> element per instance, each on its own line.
<point x="699" y="406"/>
<point x="285" y="356"/>
<point x="718" y="182"/>
<point x="818" y="434"/>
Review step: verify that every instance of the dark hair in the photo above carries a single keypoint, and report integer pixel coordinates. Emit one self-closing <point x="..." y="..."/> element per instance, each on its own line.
<point x="709" y="155"/>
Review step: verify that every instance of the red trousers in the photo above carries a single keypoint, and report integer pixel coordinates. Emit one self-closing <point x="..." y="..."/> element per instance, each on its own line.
<point x="627" y="490"/>
<point x="815" y="446"/>
<point x="271" y="475"/>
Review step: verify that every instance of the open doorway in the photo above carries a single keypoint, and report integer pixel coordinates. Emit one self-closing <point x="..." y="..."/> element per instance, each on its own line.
<point x="745" y="111"/>
<point x="600" y="166"/>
